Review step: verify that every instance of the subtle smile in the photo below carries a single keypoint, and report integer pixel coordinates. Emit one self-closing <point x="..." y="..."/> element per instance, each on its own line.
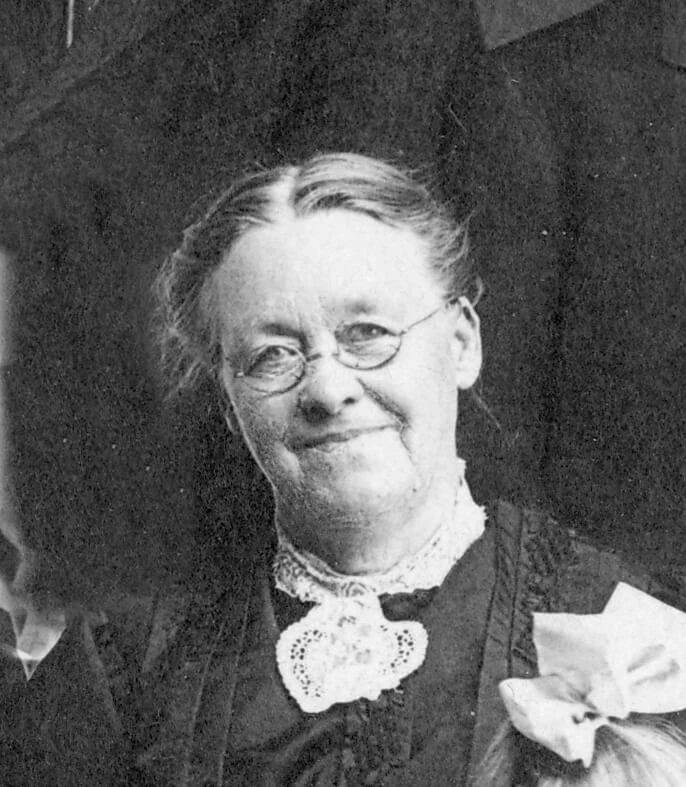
<point x="328" y="438"/>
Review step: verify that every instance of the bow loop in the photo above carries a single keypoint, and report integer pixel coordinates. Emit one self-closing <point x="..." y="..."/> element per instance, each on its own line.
<point x="548" y="711"/>
<point x="593" y="668"/>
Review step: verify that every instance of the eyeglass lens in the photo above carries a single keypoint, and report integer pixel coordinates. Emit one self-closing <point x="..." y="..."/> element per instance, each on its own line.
<point x="276" y="368"/>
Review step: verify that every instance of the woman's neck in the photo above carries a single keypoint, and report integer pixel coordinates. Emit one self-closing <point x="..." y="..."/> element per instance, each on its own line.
<point x="361" y="542"/>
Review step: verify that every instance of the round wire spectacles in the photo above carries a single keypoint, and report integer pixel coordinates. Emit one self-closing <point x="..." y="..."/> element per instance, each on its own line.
<point x="276" y="368"/>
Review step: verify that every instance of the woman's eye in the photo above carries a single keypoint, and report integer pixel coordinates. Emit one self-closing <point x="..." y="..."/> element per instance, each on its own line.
<point x="360" y="332"/>
<point x="272" y="359"/>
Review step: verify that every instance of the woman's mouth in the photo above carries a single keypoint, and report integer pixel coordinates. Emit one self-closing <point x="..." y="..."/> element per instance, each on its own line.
<point x="331" y="438"/>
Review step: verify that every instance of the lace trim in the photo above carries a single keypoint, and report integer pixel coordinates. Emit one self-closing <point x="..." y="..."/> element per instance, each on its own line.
<point x="307" y="578"/>
<point x="344" y="649"/>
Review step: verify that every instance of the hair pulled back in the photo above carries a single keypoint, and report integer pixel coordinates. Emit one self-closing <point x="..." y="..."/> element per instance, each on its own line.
<point x="186" y="329"/>
<point x="641" y="751"/>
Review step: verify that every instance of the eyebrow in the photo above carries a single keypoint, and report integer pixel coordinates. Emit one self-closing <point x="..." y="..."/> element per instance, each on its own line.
<point x="248" y="331"/>
<point x="353" y="306"/>
<point x="360" y="306"/>
<point x="276" y="327"/>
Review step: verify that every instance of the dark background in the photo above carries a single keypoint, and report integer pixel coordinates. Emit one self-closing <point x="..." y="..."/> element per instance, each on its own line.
<point x="566" y="146"/>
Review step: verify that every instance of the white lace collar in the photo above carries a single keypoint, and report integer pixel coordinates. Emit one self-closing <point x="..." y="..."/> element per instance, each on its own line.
<point x="304" y="576"/>
<point x="344" y="648"/>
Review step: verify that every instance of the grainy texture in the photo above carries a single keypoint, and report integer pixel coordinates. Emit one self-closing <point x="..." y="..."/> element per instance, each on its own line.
<point x="568" y="148"/>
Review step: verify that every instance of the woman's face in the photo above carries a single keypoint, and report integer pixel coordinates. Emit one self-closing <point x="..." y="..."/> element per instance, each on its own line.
<point x="344" y="440"/>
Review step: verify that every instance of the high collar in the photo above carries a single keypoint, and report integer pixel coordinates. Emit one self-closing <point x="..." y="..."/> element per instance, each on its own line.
<point x="306" y="577"/>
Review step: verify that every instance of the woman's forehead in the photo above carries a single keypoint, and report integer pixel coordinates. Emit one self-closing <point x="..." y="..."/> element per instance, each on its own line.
<point x="334" y="259"/>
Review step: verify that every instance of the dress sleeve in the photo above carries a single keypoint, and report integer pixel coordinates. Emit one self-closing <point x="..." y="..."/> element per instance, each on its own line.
<point x="74" y="721"/>
<point x="61" y="726"/>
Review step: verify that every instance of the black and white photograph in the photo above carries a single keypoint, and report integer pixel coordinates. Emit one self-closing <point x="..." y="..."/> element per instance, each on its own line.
<point x="342" y="413"/>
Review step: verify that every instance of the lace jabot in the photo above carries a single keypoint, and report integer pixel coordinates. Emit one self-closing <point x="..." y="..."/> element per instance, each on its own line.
<point x="344" y="648"/>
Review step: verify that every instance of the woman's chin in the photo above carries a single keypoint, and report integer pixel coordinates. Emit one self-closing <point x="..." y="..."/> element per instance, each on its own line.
<point x="363" y="493"/>
<point x="355" y="478"/>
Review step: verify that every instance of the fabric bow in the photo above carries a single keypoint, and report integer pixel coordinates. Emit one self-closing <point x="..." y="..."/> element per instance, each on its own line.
<point x="631" y="658"/>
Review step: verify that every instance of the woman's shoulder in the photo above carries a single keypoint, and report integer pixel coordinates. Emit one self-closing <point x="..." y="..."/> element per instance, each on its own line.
<point x="544" y="566"/>
<point x="572" y="569"/>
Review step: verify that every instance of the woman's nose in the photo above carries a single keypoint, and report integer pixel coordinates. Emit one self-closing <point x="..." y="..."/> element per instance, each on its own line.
<point x="327" y="388"/>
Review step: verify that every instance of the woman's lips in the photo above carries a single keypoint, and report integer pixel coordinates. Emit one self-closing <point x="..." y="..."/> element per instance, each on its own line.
<point x="331" y="438"/>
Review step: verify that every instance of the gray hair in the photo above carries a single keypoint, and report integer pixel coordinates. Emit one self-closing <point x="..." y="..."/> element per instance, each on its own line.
<point x="186" y="328"/>
<point x="634" y="752"/>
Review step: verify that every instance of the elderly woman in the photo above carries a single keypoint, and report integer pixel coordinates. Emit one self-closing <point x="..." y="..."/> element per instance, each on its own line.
<point x="363" y="639"/>
<point x="363" y="643"/>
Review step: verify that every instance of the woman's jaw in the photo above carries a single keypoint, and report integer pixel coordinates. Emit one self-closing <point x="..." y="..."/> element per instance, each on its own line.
<point x="361" y="459"/>
<point x="371" y="531"/>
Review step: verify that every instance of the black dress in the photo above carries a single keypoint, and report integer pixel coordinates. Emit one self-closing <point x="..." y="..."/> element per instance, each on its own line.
<point x="418" y="733"/>
<point x="183" y="689"/>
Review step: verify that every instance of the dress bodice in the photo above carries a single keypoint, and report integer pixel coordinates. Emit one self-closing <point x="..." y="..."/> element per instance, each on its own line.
<point x="401" y="738"/>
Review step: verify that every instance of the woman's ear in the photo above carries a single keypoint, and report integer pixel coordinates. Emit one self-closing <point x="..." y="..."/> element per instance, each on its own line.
<point x="230" y="418"/>
<point x="467" y="347"/>
<point x="227" y="409"/>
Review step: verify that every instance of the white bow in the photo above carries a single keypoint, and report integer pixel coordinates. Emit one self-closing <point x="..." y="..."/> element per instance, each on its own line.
<point x="629" y="659"/>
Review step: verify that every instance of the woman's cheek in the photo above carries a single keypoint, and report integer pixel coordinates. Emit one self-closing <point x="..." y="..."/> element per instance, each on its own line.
<point x="265" y="433"/>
